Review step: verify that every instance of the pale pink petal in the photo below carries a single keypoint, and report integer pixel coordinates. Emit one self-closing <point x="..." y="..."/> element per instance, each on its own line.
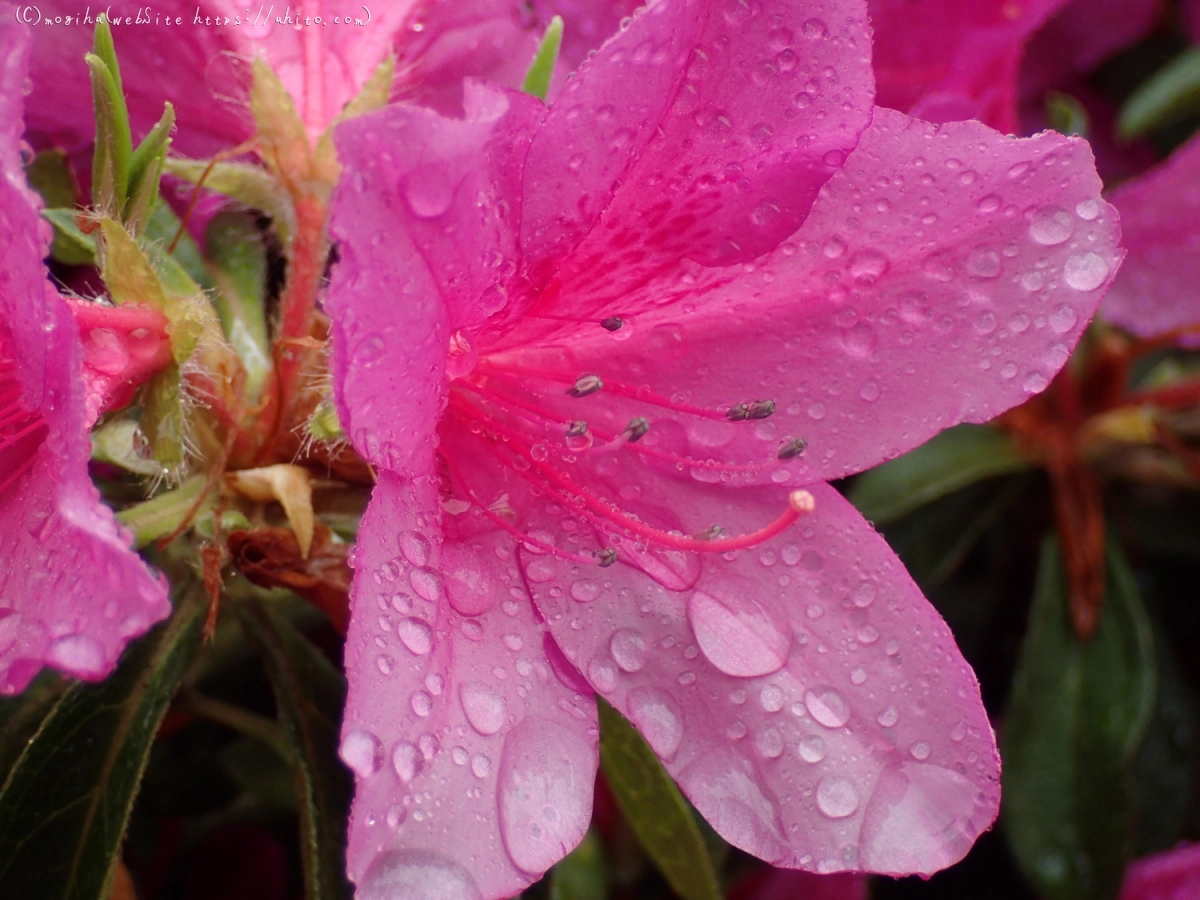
<point x="72" y="594"/>
<point x="475" y="761"/>
<point x="699" y="131"/>
<point x="1156" y="289"/>
<point x="808" y="700"/>
<point x="1171" y="875"/>
<point x="943" y="276"/>
<point x="944" y="60"/>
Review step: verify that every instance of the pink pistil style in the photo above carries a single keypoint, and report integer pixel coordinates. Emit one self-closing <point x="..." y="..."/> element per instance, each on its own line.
<point x="604" y="355"/>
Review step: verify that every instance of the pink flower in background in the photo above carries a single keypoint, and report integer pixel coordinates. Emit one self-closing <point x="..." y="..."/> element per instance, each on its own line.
<point x="72" y="593"/>
<point x="1156" y="290"/>
<point x="1172" y="875"/>
<point x="707" y="279"/>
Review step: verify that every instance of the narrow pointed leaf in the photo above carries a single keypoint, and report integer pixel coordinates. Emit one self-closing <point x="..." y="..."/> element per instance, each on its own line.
<point x="162" y="515"/>
<point x="541" y="70"/>
<point x="949" y="462"/>
<point x="1077" y="715"/>
<point x="654" y="808"/>
<point x="162" y="416"/>
<point x="114" y="146"/>
<point x="145" y="170"/>
<point x="282" y="140"/>
<point x="310" y="694"/>
<point x="1172" y="93"/>
<point x="65" y="804"/>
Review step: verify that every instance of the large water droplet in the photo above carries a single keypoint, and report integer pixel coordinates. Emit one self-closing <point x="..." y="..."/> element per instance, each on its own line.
<point x="415" y="547"/>
<point x="362" y="752"/>
<point x="739" y="637"/>
<point x="827" y="706"/>
<point x="728" y="791"/>
<point x="1051" y="225"/>
<point x="415" y="634"/>
<point x="602" y="674"/>
<point x="836" y="797"/>
<point x="483" y="706"/>
<point x="545" y="792"/>
<point x="78" y="654"/>
<point x="427" y="583"/>
<point x="1085" y="271"/>
<point x="659" y="719"/>
<point x="415" y="875"/>
<point x="628" y="649"/>
<point x="811" y="749"/>
<point x="407" y="761"/>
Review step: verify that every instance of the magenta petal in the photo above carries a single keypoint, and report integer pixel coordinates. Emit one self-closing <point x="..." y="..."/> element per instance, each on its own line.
<point x="700" y="132"/>
<point x="1172" y="875"/>
<point x="72" y="594"/>
<point x="475" y="762"/>
<point x="858" y="744"/>
<point x="1155" y="291"/>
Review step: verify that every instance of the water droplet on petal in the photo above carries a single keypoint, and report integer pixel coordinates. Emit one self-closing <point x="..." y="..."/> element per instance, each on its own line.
<point x="864" y="595"/>
<point x="407" y="761"/>
<point x="769" y="742"/>
<point x="1051" y="225"/>
<point x="481" y="766"/>
<point x="628" y="649"/>
<point x="888" y="717"/>
<point x="811" y="749"/>
<point x="427" y="583"/>
<point x="1085" y="271"/>
<point x="920" y="750"/>
<point x="739" y="636"/>
<point x="362" y="752"/>
<point x="659" y="719"/>
<point x="416" y="635"/>
<point x="836" y="797"/>
<point x="1087" y="209"/>
<point x="602" y="674"/>
<point x="415" y="547"/>
<point x="771" y="698"/>
<point x="827" y="706"/>
<point x="483" y="705"/>
<point x="729" y="792"/>
<point x="1063" y="319"/>
<point x="544" y="789"/>
<point x="78" y="654"/>
<point x="422" y="703"/>
<point x="415" y="875"/>
<point x="585" y="591"/>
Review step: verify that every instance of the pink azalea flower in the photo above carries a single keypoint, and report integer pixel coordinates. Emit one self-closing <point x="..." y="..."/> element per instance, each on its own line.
<point x="72" y="593"/>
<point x="947" y="61"/>
<point x="1155" y="291"/>
<point x="707" y="279"/>
<point x="1172" y="875"/>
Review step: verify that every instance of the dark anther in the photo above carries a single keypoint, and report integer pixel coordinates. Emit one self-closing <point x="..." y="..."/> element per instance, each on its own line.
<point x="606" y="557"/>
<point x="636" y="429"/>
<point x="612" y="323"/>
<point x="584" y="385"/>
<point x="577" y="428"/>
<point x="755" y="409"/>
<point x="792" y="448"/>
<point x="711" y="534"/>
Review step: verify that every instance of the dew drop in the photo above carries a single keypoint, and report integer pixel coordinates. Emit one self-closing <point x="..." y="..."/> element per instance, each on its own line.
<point x="738" y="635"/>
<point x="769" y="742"/>
<point x="427" y="583"/>
<point x="415" y="634"/>
<point x="1035" y="383"/>
<point x="1051" y="225"/>
<point x="484" y="707"/>
<point x="836" y="797"/>
<point x="867" y="634"/>
<point x="410" y="874"/>
<point x="826" y="705"/>
<point x="888" y="717"/>
<point x="422" y="703"/>
<point x="628" y="649"/>
<point x="864" y="594"/>
<point x="988" y="204"/>
<point x="585" y="591"/>
<point x="920" y="750"/>
<point x="659" y="719"/>
<point x="513" y="641"/>
<point x="407" y="761"/>
<point x="858" y="675"/>
<point x="1085" y="271"/>
<point x="79" y="654"/>
<point x="362" y="752"/>
<point x="481" y="766"/>
<point x="415" y="547"/>
<point x="1087" y="209"/>
<point x="771" y="698"/>
<point x="435" y="683"/>
<point x="459" y="755"/>
<point x="602" y="674"/>
<point x="811" y="749"/>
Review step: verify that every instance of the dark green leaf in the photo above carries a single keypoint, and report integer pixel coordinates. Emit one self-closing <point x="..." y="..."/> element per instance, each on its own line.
<point x="65" y="804"/>
<point x="238" y="262"/>
<point x="581" y="874"/>
<point x="71" y="246"/>
<point x="260" y="771"/>
<point x="145" y="170"/>
<point x="49" y="173"/>
<point x="1170" y="95"/>
<point x="160" y="233"/>
<point x="948" y="462"/>
<point x="22" y="715"/>
<point x="1077" y="715"/>
<point x="654" y="808"/>
<point x="310" y="694"/>
<point x="541" y="70"/>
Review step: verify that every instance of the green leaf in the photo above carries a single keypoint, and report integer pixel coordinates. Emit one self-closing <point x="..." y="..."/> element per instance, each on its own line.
<point x="654" y="808"/>
<point x="71" y="245"/>
<point x="49" y="173"/>
<point x="946" y="463"/>
<point x="310" y="694"/>
<point x="114" y="144"/>
<point x="162" y="416"/>
<point x="162" y="515"/>
<point x="1077" y="715"/>
<point x="145" y="170"/>
<point x="22" y="715"/>
<point x="1066" y="115"/>
<point x="252" y="186"/>
<point x="541" y="70"/>
<point x="1171" y="94"/>
<point x="66" y="802"/>
<point x="161" y="231"/>
<point x="238" y="262"/>
<point x="581" y="874"/>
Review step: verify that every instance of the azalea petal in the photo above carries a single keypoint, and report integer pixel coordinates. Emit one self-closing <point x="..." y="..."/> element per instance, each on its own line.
<point x="1155" y="291"/>
<point x="1081" y="35"/>
<point x="475" y="758"/>
<point x="808" y="700"/>
<point x="922" y="291"/>
<point x="739" y="115"/>
<point x="72" y="593"/>
<point x="1172" y="875"/>
<point x="947" y="61"/>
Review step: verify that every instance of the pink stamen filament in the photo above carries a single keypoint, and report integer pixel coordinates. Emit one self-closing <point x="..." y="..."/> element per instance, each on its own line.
<point x="611" y="514"/>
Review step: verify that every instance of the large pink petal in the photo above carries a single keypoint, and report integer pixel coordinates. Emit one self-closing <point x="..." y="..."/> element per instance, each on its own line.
<point x="701" y="130"/>
<point x="943" y="60"/>
<point x="808" y="700"/>
<point x="475" y="754"/>
<point x="943" y="276"/>
<point x="71" y="592"/>
<point x="1156" y="289"/>
<point x="1172" y="875"/>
